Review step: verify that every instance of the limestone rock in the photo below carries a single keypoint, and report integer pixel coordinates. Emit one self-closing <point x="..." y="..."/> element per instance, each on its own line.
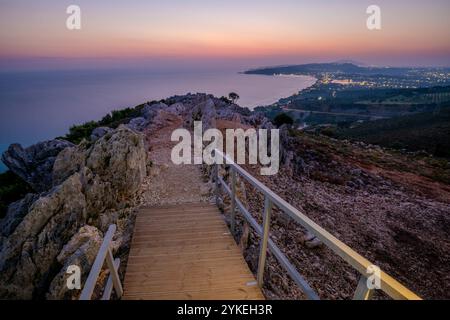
<point x="138" y="124"/>
<point x="68" y="161"/>
<point x="314" y="243"/>
<point x="80" y="251"/>
<point x="99" y="132"/>
<point x="15" y="214"/>
<point x="308" y="236"/>
<point x="115" y="168"/>
<point x="150" y="111"/>
<point x="106" y="219"/>
<point x="176" y="108"/>
<point x="105" y="177"/>
<point x="35" y="163"/>
<point x="28" y="253"/>
<point x="311" y="241"/>
<point x="119" y="159"/>
<point x="205" y="112"/>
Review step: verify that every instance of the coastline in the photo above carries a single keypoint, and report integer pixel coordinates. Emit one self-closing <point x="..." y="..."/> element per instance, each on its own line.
<point x="68" y="97"/>
<point x="287" y="92"/>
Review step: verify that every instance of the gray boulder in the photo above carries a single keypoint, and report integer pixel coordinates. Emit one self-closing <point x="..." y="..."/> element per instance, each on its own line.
<point x="150" y="111"/>
<point x="80" y="251"/>
<point x="35" y="163"/>
<point x="29" y="252"/>
<point x="99" y="132"/>
<point x="205" y="111"/>
<point x="176" y="108"/>
<point x="15" y="214"/>
<point x="68" y="161"/>
<point x="119" y="159"/>
<point x="138" y="124"/>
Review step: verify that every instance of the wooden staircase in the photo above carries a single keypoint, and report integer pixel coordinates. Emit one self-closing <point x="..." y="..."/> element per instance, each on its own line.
<point x="186" y="252"/>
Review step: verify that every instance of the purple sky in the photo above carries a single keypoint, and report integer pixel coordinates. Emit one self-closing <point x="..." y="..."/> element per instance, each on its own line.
<point x="206" y="33"/>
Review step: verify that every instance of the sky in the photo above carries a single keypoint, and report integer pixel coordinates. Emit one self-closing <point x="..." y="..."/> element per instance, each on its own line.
<point x="199" y="33"/>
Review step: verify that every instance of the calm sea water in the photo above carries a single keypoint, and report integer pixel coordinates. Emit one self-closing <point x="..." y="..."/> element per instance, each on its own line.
<point x="36" y="106"/>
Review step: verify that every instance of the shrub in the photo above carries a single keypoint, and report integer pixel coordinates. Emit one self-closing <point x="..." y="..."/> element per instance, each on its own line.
<point x="233" y="96"/>
<point x="225" y="99"/>
<point x="80" y="132"/>
<point x="117" y="117"/>
<point x="328" y="131"/>
<point x="12" y="188"/>
<point x="283" y="118"/>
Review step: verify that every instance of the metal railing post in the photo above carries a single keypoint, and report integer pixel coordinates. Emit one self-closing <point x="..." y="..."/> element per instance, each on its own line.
<point x="264" y="239"/>
<point x="233" y="200"/>
<point x="362" y="292"/>
<point x="91" y="280"/>
<point x="216" y="178"/>
<point x="216" y="190"/>
<point x="109" y="284"/>
<point x="113" y="272"/>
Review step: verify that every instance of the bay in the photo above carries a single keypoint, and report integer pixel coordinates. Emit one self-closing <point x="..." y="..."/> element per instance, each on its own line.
<point x="41" y="105"/>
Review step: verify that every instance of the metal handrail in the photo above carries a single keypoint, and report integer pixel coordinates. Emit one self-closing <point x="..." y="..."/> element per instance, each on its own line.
<point x="388" y="284"/>
<point x="104" y="252"/>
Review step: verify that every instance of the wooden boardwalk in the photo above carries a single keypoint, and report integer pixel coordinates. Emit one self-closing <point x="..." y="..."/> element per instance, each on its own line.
<point x="186" y="252"/>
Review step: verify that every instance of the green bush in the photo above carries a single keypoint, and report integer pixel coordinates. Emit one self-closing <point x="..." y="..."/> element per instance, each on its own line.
<point x="12" y="188"/>
<point x="428" y="131"/>
<point x="80" y="132"/>
<point x="328" y="131"/>
<point x="283" y="118"/>
<point x="233" y="96"/>
<point x="117" y="117"/>
<point x="225" y="99"/>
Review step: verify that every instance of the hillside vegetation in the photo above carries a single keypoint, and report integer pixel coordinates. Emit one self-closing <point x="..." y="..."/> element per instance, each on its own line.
<point x="112" y="120"/>
<point x="12" y="188"/>
<point x="423" y="131"/>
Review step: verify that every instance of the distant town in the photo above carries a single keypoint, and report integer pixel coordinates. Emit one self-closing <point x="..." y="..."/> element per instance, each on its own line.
<point x="348" y="91"/>
<point x="401" y="108"/>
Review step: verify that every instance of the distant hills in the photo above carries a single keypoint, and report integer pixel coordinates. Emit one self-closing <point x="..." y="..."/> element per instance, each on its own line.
<point x="356" y="63"/>
<point x="334" y="67"/>
<point x="339" y="67"/>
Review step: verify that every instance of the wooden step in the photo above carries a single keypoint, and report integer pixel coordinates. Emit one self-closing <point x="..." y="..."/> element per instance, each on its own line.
<point x="186" y="252"/>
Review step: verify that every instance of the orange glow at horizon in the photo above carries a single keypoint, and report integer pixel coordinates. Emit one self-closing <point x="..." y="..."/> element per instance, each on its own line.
<point x="224" y="30"/>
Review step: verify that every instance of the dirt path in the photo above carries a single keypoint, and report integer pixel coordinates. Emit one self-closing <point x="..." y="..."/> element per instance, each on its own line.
<point x="169" y="183"/>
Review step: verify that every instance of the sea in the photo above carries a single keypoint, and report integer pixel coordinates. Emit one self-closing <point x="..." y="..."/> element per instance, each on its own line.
<point x="41" y="105"/>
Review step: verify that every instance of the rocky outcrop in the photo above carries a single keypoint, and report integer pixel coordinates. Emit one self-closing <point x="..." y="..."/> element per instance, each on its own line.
<point x="151" y="110"/>
<point x="68" y="161"/>
<point x="205" y="112"/>
<point x="80" y="251"/>
<point x="28" y="254"/>
<point x="114" y="170"/>
<point x="99" y="132"/>
<point x="16" y="212"/>
<point x="34" y="164"/>
<point x="138" y="124"/>
<point x="94" y="181"/>
<point x="196" y="107"/>
<point x="176" y="108"/>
